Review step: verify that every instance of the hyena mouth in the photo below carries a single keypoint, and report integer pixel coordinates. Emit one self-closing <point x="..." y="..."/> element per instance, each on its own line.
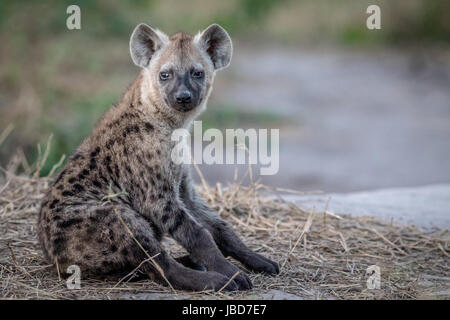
<point x="184" y="107"/>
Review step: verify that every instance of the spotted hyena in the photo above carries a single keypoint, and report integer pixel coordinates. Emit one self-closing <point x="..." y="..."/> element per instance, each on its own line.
<point x="128" y="154"/>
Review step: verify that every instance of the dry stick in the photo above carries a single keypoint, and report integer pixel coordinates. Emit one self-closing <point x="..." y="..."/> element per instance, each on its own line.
<point x="57" y="269"/>
<point x="388" y="241"/>
<point x="343" y="242"/>
<point x="56" y="165"/>
<point x="333" y="215"/>
<point x="13" y="256"/>
<point x="305" y="229"/>
<point x="297" y="192"/>
<point x="155" y="264"/>
<point x="5" y="186"/>
<point x="5" y="133"/>
<point x="228" y="282"/>
<point x="443" y="251"/>
<point x="325" y="213"/>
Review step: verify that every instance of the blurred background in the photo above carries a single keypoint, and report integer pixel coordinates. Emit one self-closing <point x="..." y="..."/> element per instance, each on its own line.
<point x="356" y="108"/>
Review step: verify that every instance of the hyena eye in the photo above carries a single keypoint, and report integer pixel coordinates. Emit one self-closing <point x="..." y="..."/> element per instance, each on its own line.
<point x="164" y="75"/>
<point x="197" y="74"/>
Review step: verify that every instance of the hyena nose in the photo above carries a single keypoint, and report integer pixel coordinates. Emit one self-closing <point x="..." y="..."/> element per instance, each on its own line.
<point x="183" y="97"/>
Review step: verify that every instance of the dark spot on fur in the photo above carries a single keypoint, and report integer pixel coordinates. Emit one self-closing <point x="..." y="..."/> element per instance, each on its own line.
<point x="72" y="180"/>
<point x="97" y="183"/>
<point x="59" y="245"/>
<point x="148" y="126"/>
<point x="178" y="221"/>
<point x="63" y="260"/>
<point x="95" y="152"/>
<point x="164" y="218"/>
<point x="124" y="251"/>
<point x="69" y="223"/>
<point x="77" y="156"/>
<point x="93" y="164"/>
<point x="67" y="193"/>
<point x="78" y="188"/>
<point x="91" y="230"/>
<point x="104" y="179"/>
<point x="53" y="203"/>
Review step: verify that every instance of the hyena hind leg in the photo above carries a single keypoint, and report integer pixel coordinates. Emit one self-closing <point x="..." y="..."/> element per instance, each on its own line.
<point x="111" y="249"/>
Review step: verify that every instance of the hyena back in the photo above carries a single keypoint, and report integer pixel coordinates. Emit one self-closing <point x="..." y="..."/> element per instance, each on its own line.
<point x="121" y="186"/>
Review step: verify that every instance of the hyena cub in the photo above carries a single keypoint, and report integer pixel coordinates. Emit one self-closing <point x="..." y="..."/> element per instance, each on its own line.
<point x="128" y="154"/>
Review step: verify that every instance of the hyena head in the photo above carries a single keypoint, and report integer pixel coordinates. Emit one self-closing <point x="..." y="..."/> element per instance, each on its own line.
<point x="179" y="70"/>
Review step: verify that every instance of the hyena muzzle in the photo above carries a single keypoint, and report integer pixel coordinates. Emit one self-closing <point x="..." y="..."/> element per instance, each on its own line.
<point x="121" y="187"/>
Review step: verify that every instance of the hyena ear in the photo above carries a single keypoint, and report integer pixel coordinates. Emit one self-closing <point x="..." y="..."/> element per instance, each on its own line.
<point x="144" y="42"/>
<point x="216" y="42"/>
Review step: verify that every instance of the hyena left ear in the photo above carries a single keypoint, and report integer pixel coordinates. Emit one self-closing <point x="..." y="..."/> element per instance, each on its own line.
<point x="216" y="42"/>
<point x="144" y="42"/>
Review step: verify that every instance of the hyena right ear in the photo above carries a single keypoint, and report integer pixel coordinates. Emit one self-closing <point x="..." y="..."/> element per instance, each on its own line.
<point x="144" y="42"/>
<point x="217" y="44"/>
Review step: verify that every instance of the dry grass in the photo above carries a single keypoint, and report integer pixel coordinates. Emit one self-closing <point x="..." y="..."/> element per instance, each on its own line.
<point x="322" y="255"/>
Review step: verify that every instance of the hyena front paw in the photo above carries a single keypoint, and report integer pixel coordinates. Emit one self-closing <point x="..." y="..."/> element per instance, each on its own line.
<point x="191" y="280"/>
<point x="211" y="280"/>
<point x="258" y="263"/>
<point x="220" y="281"/>
<point x="228" y="269"/>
